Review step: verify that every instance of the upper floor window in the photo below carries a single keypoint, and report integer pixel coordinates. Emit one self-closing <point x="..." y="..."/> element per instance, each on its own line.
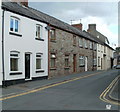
<point x="14" y="25"/>
<point x="86" y="42"/>
<point x="74" y="40"/>
<point x="39" y="30"/>
<point x="14" y="61"/>
<point x="80" y="42"/>
<point x="104" y="49"/>
<point x="52" y="34"/>
<point x="91" y="45"/>
<point x="95" y="46"/>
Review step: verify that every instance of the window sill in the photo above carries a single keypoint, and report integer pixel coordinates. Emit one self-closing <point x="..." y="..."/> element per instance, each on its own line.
<point x="39" y="39"/>
<point x="39" y="71"/>
<point x="52" y="40"/>
<point x="16" y="73"/>
<point x="74" y="45"/>
<point x="15" y="34"/>
<point x="67" y="68"/>
<point x="82" y="66"/>
<point x="81" y="46"/>
<point x="53" y="68"/>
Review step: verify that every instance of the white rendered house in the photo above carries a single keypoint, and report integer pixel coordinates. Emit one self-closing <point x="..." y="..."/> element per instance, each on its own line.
<point x="23" y="46"/>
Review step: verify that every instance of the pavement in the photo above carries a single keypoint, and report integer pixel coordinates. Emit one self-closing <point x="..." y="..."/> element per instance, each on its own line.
<point x="114" y="94"/>
<point x="31" y="85"/>
<point x="72" y="92"/>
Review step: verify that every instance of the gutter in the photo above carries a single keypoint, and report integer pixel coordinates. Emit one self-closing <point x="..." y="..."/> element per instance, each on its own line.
<point x="3" y="69"/>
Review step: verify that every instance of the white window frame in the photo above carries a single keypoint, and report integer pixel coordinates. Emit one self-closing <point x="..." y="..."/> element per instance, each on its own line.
<point x="81" y="59"/>
<point x="40" y="36"/>
<point x="80" y="42"/>
<point x="85" y="41"/>
<point x="14" y="24"/>
<point x="15" y="55"/>
<point x="91" y="45"/>
<point x="39" y="56"/>
<point x="94" y="61"/>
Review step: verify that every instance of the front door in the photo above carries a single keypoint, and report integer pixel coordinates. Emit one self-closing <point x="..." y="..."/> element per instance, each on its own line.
<point x="27" y="66"/>
<point x="74" y="62"/>
<point x="86" y="63"/>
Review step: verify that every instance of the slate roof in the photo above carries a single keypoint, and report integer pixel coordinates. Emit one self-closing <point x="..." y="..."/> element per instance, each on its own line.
<point x="42" y="17"/>
<point x="39" y="16"/>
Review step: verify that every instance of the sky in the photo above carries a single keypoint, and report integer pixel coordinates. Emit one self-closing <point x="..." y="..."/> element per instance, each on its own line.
<point x="103" y="14"/>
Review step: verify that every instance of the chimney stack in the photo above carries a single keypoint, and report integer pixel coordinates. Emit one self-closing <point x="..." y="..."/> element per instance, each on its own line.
<point x="91" y="27"/>
<point x="23" y="2"/>
<point x="78" y="26"/>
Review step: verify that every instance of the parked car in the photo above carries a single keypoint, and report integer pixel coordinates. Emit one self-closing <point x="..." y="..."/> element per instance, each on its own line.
<point x="114" y="66"/>
<point x="118" y="67"/>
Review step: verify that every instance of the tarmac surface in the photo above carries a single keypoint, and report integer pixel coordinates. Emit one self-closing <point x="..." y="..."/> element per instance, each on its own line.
<point x="72" y="92"/>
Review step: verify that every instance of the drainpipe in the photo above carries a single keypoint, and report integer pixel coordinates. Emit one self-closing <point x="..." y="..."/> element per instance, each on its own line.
<point x="3" y="48"/>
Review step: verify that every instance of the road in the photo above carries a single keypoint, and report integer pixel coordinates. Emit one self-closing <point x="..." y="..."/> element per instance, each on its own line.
<point x="79" y="93"/>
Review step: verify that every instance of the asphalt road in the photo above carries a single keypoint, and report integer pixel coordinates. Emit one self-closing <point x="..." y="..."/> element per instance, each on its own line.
<point x="79" y="94"/>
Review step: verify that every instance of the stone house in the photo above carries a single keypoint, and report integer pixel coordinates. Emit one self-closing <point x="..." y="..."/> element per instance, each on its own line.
<point x="104" y="51"/>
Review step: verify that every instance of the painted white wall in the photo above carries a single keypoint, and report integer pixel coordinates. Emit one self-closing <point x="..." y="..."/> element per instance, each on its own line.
<point x="26" y="43"/>
<point x="106" y="60"/>
<point x="1" y="75"/>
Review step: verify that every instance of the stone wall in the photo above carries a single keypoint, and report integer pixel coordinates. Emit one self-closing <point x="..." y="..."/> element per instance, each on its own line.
<point x="64" y="45"/>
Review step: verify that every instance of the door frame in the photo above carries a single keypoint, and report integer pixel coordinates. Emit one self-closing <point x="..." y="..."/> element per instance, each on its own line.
<point x="30" y="65"/>
<point x="86" y="63"/>
<point x="74" y="63"/>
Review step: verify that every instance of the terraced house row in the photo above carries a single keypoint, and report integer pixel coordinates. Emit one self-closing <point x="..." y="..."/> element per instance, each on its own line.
<point x="34" y="45"/>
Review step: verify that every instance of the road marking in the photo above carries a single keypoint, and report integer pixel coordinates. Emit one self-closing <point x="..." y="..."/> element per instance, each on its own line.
<point x="49" y="86"/>
<point x="105" y="92"/>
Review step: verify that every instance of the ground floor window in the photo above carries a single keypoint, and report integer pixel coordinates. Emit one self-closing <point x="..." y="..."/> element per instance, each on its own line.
<point x="98" y="61"/>
<point x="38" y="61"/>
<point x="81" y="60"/>
<point x="94" y="61"/>
<point x="66" y="60"/>
<point x="53" y="60"/>
<point x="14" y="61"/>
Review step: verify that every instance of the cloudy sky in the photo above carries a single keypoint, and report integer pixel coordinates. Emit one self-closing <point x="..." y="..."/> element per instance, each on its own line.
<point x="103" y="14"/>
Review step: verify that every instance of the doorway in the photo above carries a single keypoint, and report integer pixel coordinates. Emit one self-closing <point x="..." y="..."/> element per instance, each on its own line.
<point x="74" y="62"/>
<point x="27" y="66"/>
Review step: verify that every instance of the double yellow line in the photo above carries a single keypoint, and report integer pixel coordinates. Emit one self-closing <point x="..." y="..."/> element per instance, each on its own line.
<point x="106" y="92"/>
<point x="48" y="86"/>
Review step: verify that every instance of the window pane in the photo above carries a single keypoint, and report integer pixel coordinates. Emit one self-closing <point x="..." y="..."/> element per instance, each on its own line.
<point x="16" y="25"/>
<point x="52" y="34"/>
<point x="11" y="24"/>
<point x="52" y="63"/>
<point x="14" y="64"/>
<point x="38" y="63"/>
<point x="66" y="62"/>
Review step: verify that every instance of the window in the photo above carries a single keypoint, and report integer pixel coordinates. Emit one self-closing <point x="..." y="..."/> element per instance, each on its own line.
<point x="74" y="40"/>
<point x="14" y="25"/>
<point x="39" y="30"/>
<point x="98" y="61"/>
<point x="91" y="45"/>
<point x="53" y="60"/>
<point x="94" y="61"/>
<point x="95" y="46"/>
<point x="85" y="41"/>
<point x="104" y="49"/>
<point x="80" y="42"/>
<point x="38" y="61"/>
<point x="52" y="34"/>
<point x="66" y="60"/>
<point x="81" y="61"/>
<point x="14" y="61"/>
